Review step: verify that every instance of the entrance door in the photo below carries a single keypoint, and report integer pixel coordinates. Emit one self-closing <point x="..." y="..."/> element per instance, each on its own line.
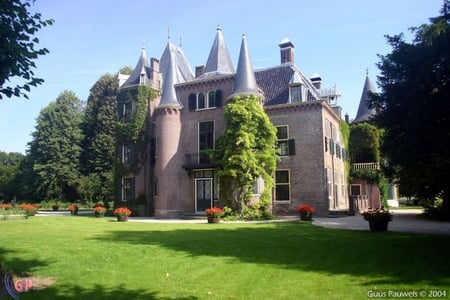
<point x="203" y="194"/>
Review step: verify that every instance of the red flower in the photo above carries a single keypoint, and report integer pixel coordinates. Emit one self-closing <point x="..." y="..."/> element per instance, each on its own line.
<point x="100" y="209"/>
<point x="214" y="211"/>
<point x="72" y="207"/>
<point x="122" y="211"/>
<point x="29" y="207"/>
<point x="305" y="208"/>
<point x="5" y="206"/>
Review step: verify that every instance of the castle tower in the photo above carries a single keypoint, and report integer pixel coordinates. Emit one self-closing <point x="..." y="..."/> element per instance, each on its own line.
<point x="245" y="81"/>
<point x="169" y="158"/>
<point x="364" y="112"/>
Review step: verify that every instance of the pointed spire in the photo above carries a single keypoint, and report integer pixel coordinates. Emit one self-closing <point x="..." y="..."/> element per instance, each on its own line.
<point x="219" y="61"/>
<point x="245" y="81"/>
<point x="364" y="112"/>
<point x="168" y="94"/>
<point x="139" y="74"/>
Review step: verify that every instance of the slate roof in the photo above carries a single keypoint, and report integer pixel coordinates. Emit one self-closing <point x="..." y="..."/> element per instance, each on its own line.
<point x="275" y="83"/>
<point x="142" y="67"/>
<point x="174" y="68"/>
<point x="245" y="82"/>
<point x="364" y="112"/>
<point x="219" y="60"/>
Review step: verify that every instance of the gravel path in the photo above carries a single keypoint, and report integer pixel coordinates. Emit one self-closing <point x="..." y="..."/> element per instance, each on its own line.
<point x="405" y="220"/>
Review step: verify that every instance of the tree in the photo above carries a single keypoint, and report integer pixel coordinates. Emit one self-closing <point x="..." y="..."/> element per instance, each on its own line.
<point x="55" y="148"/>
<point x="9" y="170"/>
<point x="413" y="107"/>
<point x="364" y="143"/>
<point x="17" y="46"/>
<point x="99" y="127"/>
<point x="246" y="151"/>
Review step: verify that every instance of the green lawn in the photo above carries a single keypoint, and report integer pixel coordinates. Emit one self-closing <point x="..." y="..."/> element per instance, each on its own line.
<point x="89" y="258"/>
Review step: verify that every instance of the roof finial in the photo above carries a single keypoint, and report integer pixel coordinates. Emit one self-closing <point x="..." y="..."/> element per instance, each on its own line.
<point x="143" y="44"/>
<point x="367" y="71"/>
<point x="219" y="27"/>
<point x="181" y="41"/>
<point x="168" y="32"/>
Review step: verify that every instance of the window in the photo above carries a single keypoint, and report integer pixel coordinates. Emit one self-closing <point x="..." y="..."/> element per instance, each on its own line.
<point x="282" y="185"/>
<point x="287" y="146"/>
<point x="201" y="103"/>
<point x="127" y="110"/>
<point x="296" y="93"/>
<point x="212" y="99"/>
<point x="127" y="189"/>
<point x="205" y="139"/>
<point x="329" y="183"/>
<point x="126" y="154"/>
<point x="201" y="100"/>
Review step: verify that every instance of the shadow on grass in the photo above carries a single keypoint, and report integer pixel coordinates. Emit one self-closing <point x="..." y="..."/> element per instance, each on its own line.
<point x="96" y="293"/>
<point x="397" y="258"/>
<point x="17" y="266"/>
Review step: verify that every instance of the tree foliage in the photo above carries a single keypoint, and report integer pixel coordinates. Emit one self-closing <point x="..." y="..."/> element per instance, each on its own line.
<point x="246" y="151"/>
<point x="55" y="148"/>
<point x="17" y="47"/>
<point x="9" y="171"/>
<point x="414" y="107"/>
<point x="99" y="144"/>
<point x="364" y="143"/>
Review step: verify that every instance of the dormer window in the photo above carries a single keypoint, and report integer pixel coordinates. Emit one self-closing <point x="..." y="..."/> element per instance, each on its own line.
<point x="142" y="79"/>
<point x="296" y="93"/>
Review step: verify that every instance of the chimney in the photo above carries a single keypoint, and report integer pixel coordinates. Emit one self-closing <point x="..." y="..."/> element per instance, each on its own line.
<point x="199" y="70"/>
<point x="316" y="80"/>
<point x="286" y="51"/>
<point x="154" y="67"/>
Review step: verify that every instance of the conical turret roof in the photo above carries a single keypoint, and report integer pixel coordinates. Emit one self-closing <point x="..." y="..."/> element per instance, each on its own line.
<point x="245" y="82"/>
<point x="175" y="69"/>
<point x="142" y="70"/>
<point x="219" y="61"/>
<point x="364" y="112"/>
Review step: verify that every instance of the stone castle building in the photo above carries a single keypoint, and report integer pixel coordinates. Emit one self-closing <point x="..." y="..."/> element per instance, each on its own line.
<point x="173" y="179"/>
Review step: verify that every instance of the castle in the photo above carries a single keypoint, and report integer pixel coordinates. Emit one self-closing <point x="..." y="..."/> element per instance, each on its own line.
<point x="185" y="115"/>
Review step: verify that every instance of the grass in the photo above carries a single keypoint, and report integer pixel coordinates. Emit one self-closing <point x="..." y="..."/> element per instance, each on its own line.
<point x="89" y="258"/>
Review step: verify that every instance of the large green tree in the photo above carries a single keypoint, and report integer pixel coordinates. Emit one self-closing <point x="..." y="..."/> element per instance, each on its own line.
<point x="99" y="144"/>
<point x="413" y="107"/>
<point x="246" y="151"/>
<point x="9" y="171"/>
<point x="18" y="47"/>
<point x="55" y="148"/>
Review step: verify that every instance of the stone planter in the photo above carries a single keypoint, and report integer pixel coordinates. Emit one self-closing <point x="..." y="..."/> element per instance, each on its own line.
<point x="74" y="212"/>
<point x="378" y="224"/>
<point x="212" y="219"/>
<point x="99" y="215"/>
<point x="306" y="216"/>
<point x="122" y="218"/>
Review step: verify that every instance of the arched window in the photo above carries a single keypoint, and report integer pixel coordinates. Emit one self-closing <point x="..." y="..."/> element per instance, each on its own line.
<point x="212" y="99"/>
<point x="201" y="101"/>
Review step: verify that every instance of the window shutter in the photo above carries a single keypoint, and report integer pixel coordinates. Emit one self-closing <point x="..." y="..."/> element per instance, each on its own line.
<point x="192" y="102"/>
<point x="326" y="144"/>
<point x="291" y="145"/>
<point x="120" y="152"/>
<point x="132" y="189"/>
<point x="331" y="147"/>
<point x="218" y="98"/>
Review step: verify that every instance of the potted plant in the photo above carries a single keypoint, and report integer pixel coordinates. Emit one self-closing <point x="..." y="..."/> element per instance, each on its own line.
<point x="122" y="213"/>
<point x="378" y="218"/>
<point x="29" y="209"/>
<point x="306" y="212"/>
<point x="213" y="214"/>
<point x="55" y="207"/>
<point x="73" y="208"/>
<point x="99" y="210"/>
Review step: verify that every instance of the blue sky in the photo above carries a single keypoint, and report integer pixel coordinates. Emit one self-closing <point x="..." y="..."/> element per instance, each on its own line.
<point x="337" y="39"/>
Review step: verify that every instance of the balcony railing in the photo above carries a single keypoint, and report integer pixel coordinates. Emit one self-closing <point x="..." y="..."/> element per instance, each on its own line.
<point x="366" y="166"/>
<point x="197" y="161"/>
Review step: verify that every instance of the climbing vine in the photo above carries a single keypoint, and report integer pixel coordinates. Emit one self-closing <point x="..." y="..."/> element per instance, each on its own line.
<point x="138" y="97"/>
<point x="133" y="130"/>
